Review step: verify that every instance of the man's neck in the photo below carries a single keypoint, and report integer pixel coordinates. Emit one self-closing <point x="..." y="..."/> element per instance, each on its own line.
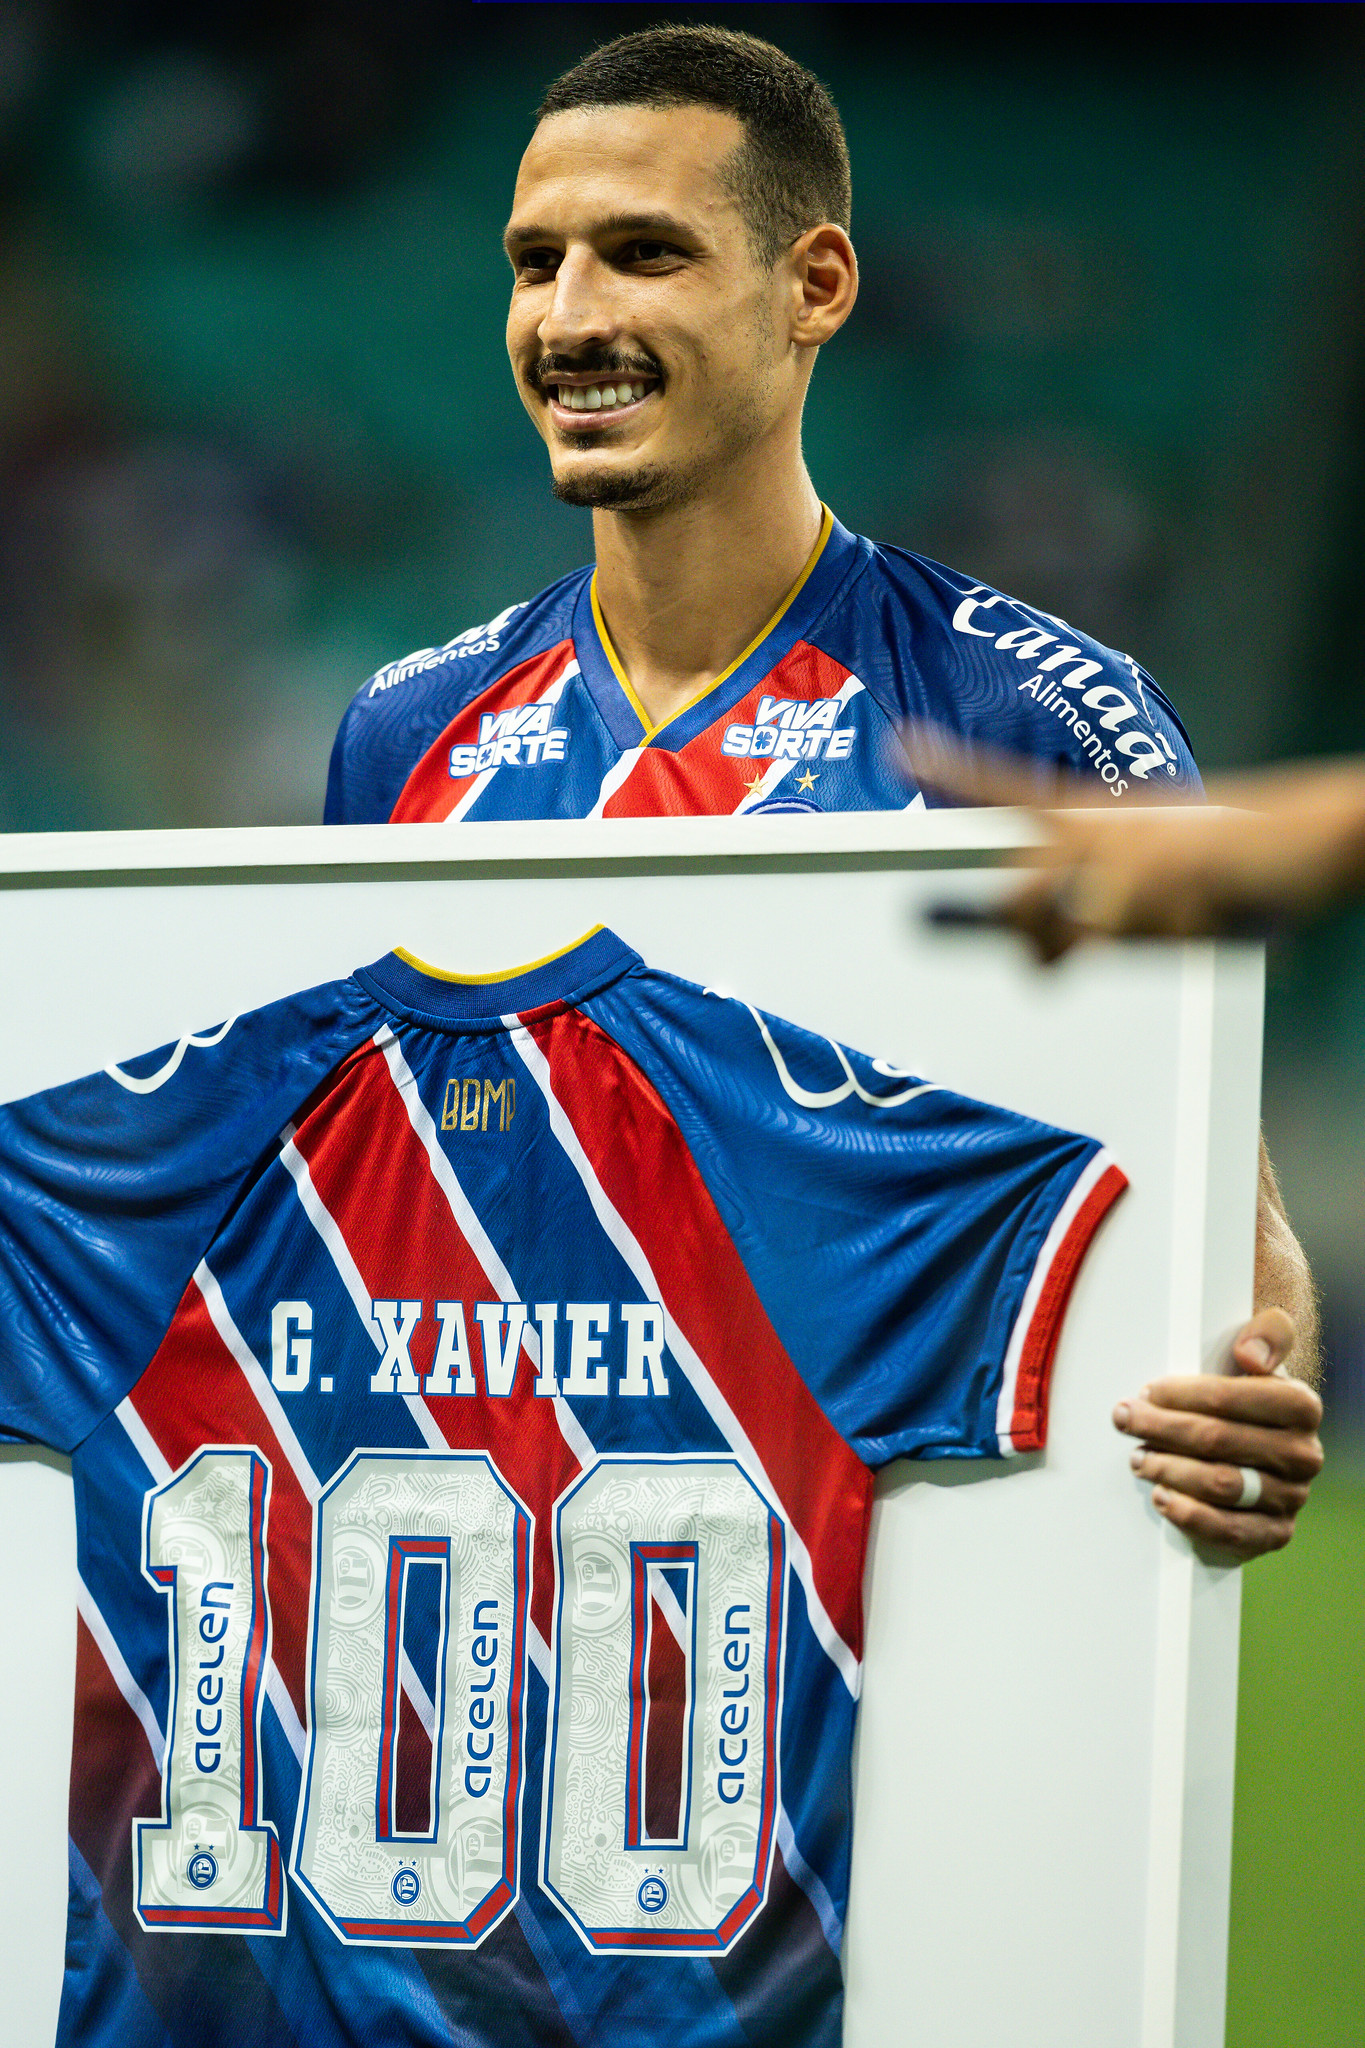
<point x="685" y="590"/>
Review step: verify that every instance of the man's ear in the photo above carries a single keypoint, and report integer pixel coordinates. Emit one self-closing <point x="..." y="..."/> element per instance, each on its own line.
<point x="824" y="280"/>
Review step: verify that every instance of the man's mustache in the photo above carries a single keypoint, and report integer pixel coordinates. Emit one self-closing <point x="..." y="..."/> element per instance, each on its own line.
<point x="606" y="362"/>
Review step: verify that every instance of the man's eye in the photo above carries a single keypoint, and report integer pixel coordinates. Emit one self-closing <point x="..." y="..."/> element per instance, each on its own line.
<point x="536" y="259"/>
<point x="650" y="252"/>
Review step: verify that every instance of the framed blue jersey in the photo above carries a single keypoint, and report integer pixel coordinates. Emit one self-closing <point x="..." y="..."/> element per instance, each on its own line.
<point x="533" y="716"/>
<point x="474" y="1389"/>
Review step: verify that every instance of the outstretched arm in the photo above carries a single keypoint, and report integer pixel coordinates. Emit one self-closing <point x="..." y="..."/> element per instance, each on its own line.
<point x="1293" y="846"/>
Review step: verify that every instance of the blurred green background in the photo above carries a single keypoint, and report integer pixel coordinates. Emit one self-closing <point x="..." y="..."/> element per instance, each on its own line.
<point x="1298" y="1891"/>
<point x="257" y="436"/>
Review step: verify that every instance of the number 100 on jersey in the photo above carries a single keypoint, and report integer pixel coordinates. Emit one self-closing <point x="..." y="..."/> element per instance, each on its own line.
<point x="657" y="1762"/>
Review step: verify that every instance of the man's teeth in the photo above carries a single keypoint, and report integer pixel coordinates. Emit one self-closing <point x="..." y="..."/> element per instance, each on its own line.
<point x="593" y="397"/>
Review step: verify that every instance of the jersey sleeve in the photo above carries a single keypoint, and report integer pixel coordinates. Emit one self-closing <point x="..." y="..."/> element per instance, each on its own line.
<point x="913" y="1249"/>
<point x="112" y="1188"/>
<point x="403" y="709"/>
<point x="361" y="784"/>
<point x="386" y="728"/>
<point x="995" y="670"/>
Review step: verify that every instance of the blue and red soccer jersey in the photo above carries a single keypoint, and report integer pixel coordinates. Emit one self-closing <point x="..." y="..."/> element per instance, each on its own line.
<point x="533" y="716"/>
<point x="473" y="1391"/>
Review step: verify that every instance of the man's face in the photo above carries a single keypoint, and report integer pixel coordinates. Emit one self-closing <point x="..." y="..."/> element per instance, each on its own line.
<point x="649" y="345"/>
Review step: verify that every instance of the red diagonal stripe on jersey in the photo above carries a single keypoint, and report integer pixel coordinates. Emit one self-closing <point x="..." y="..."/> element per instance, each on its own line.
<point x="666" y="1728"/>
<point x="412" y="1772"/>
<point x="697" y="780"/>
<point x="114" y="1776"/>
<point x="698" y="777"/>
<point x="114" y="1781"/>
<point x="194" y="1393"/>
<point x="651" y="1179"/>
<point x="372" y="1173"/>
<point x="431" y="792"/>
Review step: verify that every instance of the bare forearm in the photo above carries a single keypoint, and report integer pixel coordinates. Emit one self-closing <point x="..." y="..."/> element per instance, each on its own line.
<point x="1283" y="1279"/>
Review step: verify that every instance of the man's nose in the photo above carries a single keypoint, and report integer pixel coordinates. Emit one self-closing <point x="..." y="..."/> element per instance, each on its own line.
<point x="581" y="310"/>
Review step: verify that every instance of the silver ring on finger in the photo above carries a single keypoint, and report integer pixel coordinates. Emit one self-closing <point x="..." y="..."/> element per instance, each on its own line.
<point x="1252" y="1484"/>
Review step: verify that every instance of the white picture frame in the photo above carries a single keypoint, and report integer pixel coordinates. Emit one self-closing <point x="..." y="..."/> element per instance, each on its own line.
<point x="1044" y="1780"/>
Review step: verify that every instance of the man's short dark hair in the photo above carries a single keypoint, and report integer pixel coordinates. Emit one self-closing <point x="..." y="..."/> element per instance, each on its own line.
<point x="791" y="171"/>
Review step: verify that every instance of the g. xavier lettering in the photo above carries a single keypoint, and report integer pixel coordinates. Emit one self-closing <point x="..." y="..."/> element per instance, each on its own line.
<point x="607" y="1348"/>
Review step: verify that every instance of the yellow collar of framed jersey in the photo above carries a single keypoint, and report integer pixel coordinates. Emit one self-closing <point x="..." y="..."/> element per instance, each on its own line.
<point x="650" y="730"/>
<point x="437" y="997"/>
<point x="500" y="973"/>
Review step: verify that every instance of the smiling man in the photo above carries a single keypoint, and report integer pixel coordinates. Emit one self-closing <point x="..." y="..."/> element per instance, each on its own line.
<point x="680" y="254"/>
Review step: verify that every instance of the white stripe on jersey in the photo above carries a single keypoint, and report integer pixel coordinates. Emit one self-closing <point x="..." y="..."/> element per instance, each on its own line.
<point x="810" y="1882"/>
<point x="480" y="783"/>
<point x="118" y="1670"/>
<point x="325" y="1224"/>
<point x="574" y="1435"/>
<point x="143" y="1442"/>
<point x="422" y="1703"/>
<point x="277" y="1692"/>
<point x="621" y="771"/>
<point x="266" y="1397"/>
<point x="474" y="1234"/>
<point x="666" y="1600"/>
<point x="773" y="774"/>
<point x="717" y="1407"/>
<point x="329" y="1231"/>
<point x="147" y="1448"/>
<point x="776" y="771"/>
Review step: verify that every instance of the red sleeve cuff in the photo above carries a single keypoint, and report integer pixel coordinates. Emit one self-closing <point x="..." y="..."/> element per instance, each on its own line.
<point x="1021" y="1413"/>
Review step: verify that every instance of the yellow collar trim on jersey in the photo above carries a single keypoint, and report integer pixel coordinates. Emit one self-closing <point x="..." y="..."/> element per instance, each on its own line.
<point x="504" y="973"/>
<point x="651" y="730"/>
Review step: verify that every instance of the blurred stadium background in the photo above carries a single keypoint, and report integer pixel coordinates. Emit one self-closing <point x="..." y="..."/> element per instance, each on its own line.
<point x="257" y="436"/>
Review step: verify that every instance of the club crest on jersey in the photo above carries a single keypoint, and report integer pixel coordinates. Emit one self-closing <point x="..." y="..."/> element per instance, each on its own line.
<point x="791" y="729"/>
<point x="521" y="737"/>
